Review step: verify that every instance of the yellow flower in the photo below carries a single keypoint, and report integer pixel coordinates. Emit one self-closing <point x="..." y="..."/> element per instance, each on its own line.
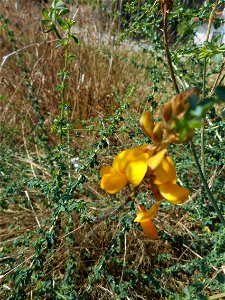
<point x="145" y="219"/>
<point x="133" y="165"/>
<point x="129" y="166"/>
<point x="163" y="179"/>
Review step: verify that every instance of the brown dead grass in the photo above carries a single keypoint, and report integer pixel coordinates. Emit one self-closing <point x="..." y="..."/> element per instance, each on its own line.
<point x="98" y="74"/>
<point x="90" y="242"/>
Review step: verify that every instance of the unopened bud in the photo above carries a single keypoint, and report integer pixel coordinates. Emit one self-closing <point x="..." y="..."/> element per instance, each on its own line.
<point x="157" y="134"/>
<point x="177" y="108"/>
<point x="167" y="111"/>
<point x="146" y="123"/>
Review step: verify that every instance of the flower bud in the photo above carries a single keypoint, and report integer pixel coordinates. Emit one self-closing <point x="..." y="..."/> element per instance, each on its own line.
<point x="177" y="107"/>
<point x="157" y="133"/>
<point x="167" y="111"/>
<point x="146" y="123"/>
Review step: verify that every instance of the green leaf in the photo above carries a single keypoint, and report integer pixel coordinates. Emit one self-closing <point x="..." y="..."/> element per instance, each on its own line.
<point x="75" y="39"/>
<point x="58" y="44"/>
<point x="220" y="93"/>
<point x="193" y="101"/>
<point x="197" y="112"/>
<point x="60" y="5"/>
<point x="216" y="39"/>
<point x="221" y="278"/>
<point x="206" y="105"/>
<point x="53" y="16"/>
<point x="45" y="13"/>
<point x="57" y="33"/>
<point x="194" y="123"/>
<point x="45" y="22"/>
<point x="52" y="27"/>
<point x="64" y="11"/>
<point x="183" y="134"/>
<point x="61" y="22"/>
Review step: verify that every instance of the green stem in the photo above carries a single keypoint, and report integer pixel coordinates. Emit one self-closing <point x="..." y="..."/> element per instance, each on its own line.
<point x="165" y="16"/>
<point x="203" y="125"/>
<point x="206" y="187"/>
<point x="63" y="94"/>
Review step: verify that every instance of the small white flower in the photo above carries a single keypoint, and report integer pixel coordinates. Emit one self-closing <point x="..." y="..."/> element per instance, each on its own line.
<point x="74" y="162"/>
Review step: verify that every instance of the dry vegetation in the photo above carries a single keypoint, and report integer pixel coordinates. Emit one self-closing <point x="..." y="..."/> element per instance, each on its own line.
<point x="98" y="74"/>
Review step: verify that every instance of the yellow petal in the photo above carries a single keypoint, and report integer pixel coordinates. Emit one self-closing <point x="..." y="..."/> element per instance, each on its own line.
<point x="173" y="193"/>
<point x="113" y="183"/>
<point x="156" y="159"/>
<point x="144" y="215"/>
<point x="165" y="172"/>
<point x="136" y="169"/>
<point x="106" y="170"/>
<point x="149" y="229"/>
<point x="146" y="123"/>
<point x="120" y="160"/>
<point x="148" y="226"/>
<point x="125" y="156"/>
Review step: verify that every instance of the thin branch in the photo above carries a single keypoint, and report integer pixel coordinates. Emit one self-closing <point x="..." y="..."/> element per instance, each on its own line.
<point x="106" y="216"/>
<point x="28" y="155"/>
<point x="165" y="12"/>
<point x="35" y="215"/>
<point x="16" y="267"/>
<point x="211" y="20"/>
<point x="196" y="254"/>
<point x="217" y="296"/>
<point x="218" y="77"/>
<point x="206" y="187"/>
<point x="112" y="213"/>
<point x="124" y="257"/>
<point x="4" y="58"/>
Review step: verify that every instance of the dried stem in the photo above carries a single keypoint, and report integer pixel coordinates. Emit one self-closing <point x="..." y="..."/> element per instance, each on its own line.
<point x="165" y="11"/>
<point x="217" y="78"/>
<point x="35" y="215"/>
<point x="114" y="212"/>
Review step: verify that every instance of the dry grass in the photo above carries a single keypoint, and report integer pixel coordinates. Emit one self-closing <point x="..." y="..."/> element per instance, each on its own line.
<point x="91" y="241"/>
<point x="97" y="75"/>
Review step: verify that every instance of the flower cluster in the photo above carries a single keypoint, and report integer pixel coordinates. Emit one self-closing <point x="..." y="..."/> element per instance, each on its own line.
<point x="173" y="113"/>
<point x="147" y="163"/>
<point x="150" y="163"/>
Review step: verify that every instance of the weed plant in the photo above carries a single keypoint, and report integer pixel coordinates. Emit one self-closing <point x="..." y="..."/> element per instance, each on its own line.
<point x="75" y="79"/>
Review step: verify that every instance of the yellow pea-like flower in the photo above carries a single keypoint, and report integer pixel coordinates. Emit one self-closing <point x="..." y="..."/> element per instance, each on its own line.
<point x="129" y="167"/>
<point x="144" y="217"/>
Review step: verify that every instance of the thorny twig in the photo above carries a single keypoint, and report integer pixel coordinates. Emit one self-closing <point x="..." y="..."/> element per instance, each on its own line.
<point x="165" y="7"/>
<point x="112" y="213"/>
